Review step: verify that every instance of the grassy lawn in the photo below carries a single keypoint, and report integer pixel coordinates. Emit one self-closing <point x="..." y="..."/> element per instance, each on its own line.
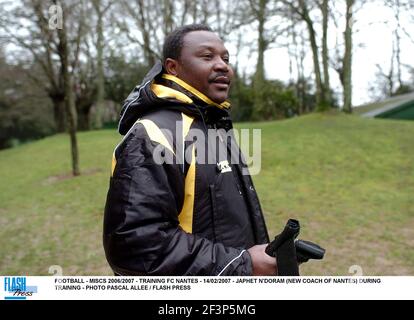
<point x="350" y="182"/>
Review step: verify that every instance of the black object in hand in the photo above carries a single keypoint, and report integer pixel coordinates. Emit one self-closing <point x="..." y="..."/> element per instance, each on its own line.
<point x="283" y="249"/>
<point x="306" y="250"/>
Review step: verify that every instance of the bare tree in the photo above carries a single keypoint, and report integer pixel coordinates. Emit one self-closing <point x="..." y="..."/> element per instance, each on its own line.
<point x="347" y="82"/>
<point x="390" y="80"/>
<point x="342" y="59"/>
<point x="296" y="48"/>
<point x="37" y="22"/>
<point x="101" y="8"/>
<point x="324" y="7"/>
<point x="146" y="23"/>
<point x="259" y="10"/>
<point x="63" y="52"/>
<point x="398" y="7"/>
<point x="385" y="83"/>
<point x="41" y="44"/>
<point x="262" y="12"/>
<point x="302" y="11"/>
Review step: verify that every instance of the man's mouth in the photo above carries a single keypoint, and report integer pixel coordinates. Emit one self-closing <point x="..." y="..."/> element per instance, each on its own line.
<point x="222" y="82"/>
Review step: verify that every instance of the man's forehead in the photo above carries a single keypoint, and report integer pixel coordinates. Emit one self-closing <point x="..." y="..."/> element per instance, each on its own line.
<point x="202" y="39"/>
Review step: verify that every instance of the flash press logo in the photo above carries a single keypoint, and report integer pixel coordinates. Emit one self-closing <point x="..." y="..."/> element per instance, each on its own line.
<point x="17" y="288"/>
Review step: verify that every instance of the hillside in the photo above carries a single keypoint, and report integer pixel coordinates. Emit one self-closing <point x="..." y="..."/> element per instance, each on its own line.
<point x="349" y="180"/>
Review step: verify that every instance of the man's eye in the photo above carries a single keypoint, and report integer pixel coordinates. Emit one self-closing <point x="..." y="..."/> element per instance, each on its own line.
<point x="226" y="59"/>
<point x="208" y="56"/>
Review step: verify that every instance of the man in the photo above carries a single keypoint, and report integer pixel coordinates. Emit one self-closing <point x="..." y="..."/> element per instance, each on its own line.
<point x="183" y="216"/>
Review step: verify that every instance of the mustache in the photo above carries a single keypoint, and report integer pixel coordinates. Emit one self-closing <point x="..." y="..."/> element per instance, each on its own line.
<point x="214" y="76"/>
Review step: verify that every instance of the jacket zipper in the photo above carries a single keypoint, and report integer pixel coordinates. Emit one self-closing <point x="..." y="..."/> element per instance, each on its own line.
<point x="213" y="209"/>
<point x="236" y="178"/>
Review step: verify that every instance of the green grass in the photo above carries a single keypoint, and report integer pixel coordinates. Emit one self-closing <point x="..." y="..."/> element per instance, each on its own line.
<point x="350" y="182"/>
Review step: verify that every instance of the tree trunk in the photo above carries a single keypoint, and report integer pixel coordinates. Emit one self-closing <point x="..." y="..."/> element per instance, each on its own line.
<point x="168" y="16"/>
<point x="299" y="55"/>
<point x="397" y="41"/>
<point x="390" y="75"/>
<point x="59" y="112"/>
<point x="325" y="53"/>
<point x="259" y="77"/>
<point x="320" y="96"/>
<point x="348" y="58"/>
<point x="100" y="69"/>
<point x="148" y="53"/>
<point x="69" y="96"/>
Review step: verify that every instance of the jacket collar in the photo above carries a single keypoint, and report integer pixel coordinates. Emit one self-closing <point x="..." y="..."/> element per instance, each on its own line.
<point x="162" y="90"/>
<point x="193" y="92"/>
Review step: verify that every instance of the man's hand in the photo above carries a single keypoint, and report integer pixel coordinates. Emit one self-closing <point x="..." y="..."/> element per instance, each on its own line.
<point x="263" y="264"/>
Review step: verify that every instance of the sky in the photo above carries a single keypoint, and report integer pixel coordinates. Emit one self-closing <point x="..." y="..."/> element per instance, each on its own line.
<point x="372" y="45"/>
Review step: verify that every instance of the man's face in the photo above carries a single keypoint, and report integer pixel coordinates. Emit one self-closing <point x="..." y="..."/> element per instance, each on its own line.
<point x="204" y="64"/>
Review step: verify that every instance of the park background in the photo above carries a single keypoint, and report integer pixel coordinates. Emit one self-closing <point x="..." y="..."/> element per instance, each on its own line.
<point x="302" y="70"/>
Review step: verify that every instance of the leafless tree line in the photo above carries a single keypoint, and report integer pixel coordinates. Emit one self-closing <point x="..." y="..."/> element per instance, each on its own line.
<point x="68" y="62"/>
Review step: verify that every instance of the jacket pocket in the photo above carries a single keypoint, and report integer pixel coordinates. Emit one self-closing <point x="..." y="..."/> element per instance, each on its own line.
<point x="232" y="218"/>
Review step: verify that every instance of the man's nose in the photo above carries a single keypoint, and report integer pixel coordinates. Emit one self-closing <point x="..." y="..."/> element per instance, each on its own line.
<point x="221" y="65"/>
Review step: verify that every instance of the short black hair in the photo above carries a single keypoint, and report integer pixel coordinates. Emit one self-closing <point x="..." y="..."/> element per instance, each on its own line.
<point x="174" y="41"/>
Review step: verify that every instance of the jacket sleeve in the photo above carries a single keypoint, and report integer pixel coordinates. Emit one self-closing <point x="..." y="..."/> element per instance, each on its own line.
<point x="142" y="235"/>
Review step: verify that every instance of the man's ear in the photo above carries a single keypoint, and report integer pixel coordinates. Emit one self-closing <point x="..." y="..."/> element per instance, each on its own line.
<point x="171" y="66"/>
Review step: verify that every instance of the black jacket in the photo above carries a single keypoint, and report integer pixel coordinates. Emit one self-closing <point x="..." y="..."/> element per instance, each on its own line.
<point x="182" y="217"/>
